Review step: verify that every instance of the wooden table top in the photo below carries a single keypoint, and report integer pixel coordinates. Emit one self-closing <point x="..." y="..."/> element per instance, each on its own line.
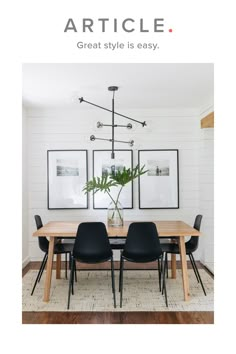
<point x="69" y="229"/>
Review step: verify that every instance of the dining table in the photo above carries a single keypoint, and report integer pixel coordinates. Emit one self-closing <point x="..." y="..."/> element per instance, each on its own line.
<point x="66" y="229"/>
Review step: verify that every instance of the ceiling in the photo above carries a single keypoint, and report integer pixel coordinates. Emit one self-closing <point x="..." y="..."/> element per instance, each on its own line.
<point x="141" y="86"/>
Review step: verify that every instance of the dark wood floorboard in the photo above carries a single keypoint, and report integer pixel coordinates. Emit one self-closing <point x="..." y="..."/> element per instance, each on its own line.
<point x="116" y="317"/>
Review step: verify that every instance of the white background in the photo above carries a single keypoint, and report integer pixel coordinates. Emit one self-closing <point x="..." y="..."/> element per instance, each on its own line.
<point x="203" y="31"/>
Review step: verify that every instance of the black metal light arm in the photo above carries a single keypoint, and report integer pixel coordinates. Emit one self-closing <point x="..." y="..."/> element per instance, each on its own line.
<point x="100" y="125"/>
<point x="113" y="125"/>
<point x="81" y="99"/>
<point x="131" y="142"/>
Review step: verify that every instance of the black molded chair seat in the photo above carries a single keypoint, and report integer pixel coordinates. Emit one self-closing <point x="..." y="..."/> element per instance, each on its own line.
<point x="91" y="246"/>
<point x="142" y="246"/>
<point x="170" y="248"/>
<point x="59" y="248"/>
<point x="93" y="259"/>
<point x="174" y="247"/>
<point x="142" y="242"/>
<point x="191" y="246"/>
<point x="140" y="258"/>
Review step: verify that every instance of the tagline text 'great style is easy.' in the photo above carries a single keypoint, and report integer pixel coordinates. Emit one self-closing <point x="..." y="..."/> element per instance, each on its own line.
<point x="117" y="45"/>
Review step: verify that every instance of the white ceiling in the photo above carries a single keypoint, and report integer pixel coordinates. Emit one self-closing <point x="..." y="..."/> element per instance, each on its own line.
<point x="141" y="86"/>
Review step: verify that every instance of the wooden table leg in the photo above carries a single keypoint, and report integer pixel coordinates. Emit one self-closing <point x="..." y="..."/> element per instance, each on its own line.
<point x="173" y="263"/>
<point x="173" y="266"/>
<point x="47" y="285"/>
<point x="58" y="263"/>
<point x="184" y="268"/>
<point x="58" y="267"/>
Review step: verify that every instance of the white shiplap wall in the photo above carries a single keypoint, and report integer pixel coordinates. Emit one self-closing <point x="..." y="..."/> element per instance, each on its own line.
<point x="25" y="186"/>
<point x="71" y="128"/>
<point x="206" y="179"/>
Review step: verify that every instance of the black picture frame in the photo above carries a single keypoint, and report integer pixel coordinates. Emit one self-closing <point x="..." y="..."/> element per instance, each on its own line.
<point x="159" y="187"/>
<point x="100" y="157"/>
<point x="67" y="174"/>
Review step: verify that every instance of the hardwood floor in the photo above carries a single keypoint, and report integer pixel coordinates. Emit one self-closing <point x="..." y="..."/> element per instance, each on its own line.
<point x="118" y="318"/>
<point x="115" y="317"/>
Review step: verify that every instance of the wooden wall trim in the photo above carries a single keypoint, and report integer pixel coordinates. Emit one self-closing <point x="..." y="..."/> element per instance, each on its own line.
<point x="208" y="121"/>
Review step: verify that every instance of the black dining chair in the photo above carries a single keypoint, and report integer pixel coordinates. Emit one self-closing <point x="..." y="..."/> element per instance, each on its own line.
<point x="142" y="246"/>
<point x="191" y="246"/>
<point x="91" y="246"/>
<point x="59" y="248"/>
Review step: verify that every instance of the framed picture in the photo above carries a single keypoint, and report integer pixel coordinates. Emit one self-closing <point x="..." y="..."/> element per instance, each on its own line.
<point x="67" y="175"/>
<point x="159" y="187"/>
<point x="103" y="164"/>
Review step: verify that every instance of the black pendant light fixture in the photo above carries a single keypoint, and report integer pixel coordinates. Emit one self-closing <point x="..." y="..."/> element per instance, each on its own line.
<point x="113" y="125"/>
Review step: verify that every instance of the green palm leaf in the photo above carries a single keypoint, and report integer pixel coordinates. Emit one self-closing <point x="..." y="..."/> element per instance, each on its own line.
<point x="127" y="175"/>
<point x="121" y="178"/>
<point x="99" y="184"/>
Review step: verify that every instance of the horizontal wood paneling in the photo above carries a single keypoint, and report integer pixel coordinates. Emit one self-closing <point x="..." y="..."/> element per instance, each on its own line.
<point x="206" y="195"/>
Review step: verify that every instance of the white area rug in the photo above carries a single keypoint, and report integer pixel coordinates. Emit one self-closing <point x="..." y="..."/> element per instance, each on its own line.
<point x="141" y="292"/>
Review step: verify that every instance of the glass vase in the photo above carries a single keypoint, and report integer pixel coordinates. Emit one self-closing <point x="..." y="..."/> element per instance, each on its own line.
<point x="115" y="214"/>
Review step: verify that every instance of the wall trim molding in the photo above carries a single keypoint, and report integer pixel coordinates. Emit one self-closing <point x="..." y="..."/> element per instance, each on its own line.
<point x="25" y="261"/>
<point x="209" y="266"/>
